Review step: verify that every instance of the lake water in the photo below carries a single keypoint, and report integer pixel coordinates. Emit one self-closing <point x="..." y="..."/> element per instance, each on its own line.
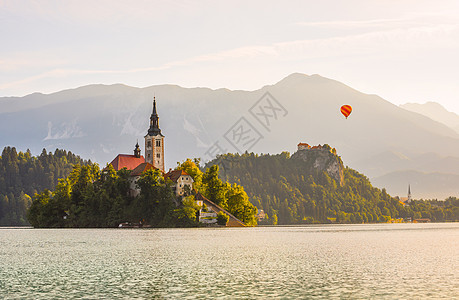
<point x="393" y="261"/>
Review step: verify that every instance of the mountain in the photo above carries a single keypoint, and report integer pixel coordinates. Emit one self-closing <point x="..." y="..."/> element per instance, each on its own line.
<point x="100" y="121"/>
<point x="389" y="161"/>
<point x="423" y="185"/>
<point x="436" y="112"/>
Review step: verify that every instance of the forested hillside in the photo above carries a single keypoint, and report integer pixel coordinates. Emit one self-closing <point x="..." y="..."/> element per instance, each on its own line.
<point x="290" y="192"/>
<point x="22" y="175"/>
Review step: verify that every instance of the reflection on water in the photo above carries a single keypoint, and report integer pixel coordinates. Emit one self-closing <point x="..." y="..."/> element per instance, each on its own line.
<point x="345" y="261"/>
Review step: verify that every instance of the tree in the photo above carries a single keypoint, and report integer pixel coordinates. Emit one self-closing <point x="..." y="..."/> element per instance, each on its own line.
<point x="186" y="213"/>
<point x="156" y="200"/>
<point x="214" y="188"/>
<point x="238" y="204"/>
<point x="222" y="218"/>
<point x="22" y="174"/>
<point x="192" y="169"/>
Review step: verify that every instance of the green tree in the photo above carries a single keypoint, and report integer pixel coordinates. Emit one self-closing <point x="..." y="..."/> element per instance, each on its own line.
<point x="214" y="188"/>
<point x="222" y="218"/>
<point x="192" y="169"/>
<point x="239" y="205"/>
<point x="186" y="213"/>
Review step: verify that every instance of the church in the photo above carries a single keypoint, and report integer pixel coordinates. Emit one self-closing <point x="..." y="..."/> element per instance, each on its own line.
<point x="154" y="149"/>
<point x="154" y="159"/>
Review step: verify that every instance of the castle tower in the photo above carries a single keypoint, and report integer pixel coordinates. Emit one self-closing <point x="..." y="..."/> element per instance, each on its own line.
<point x="154" y="142"/>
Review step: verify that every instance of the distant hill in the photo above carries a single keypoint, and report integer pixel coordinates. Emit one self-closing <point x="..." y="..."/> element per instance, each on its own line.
<point x="436" y="112"/>
<point x="313" y="186"/>
<point x="390" y="161"/>
<point x="423" y="185"/>
<point x="100" y="121"/>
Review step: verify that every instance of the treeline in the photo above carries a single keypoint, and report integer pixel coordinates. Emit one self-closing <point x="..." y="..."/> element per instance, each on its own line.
<point x="22" y="175"/>
<point x="90" y="197"/>
<point x="290" y="193"/>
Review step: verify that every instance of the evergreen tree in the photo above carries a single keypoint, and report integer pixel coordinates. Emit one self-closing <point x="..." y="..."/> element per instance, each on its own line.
<point x="22" y="175"/>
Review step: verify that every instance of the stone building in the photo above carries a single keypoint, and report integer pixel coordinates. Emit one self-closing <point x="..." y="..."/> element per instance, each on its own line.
<point x="180" y="180"/>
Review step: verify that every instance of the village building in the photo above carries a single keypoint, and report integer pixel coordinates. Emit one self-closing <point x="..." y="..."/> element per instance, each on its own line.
<point x="261" y="215"/>
<point x="135" y="175"/>
<point x="181" y="181"/>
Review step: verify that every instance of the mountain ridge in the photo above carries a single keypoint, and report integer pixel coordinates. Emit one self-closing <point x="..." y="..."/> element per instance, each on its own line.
<point x="436" y="112"/>
<point x="101" y="121"/>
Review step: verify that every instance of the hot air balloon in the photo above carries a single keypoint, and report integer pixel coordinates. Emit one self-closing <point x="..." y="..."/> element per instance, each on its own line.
<point x="346" y="110"/>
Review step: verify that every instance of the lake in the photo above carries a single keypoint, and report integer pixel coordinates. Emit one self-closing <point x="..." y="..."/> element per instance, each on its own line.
<point x="382" y="261"/>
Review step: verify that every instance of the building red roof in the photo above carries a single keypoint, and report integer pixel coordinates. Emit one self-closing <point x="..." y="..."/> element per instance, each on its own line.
<point x="303" y="144"/>
<point x="127" y="161"/>
<point x="142" y="168"/>
<point x="174" y="175"/>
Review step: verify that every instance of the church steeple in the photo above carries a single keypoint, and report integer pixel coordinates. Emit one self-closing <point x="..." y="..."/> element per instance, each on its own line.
<point x="409" y="194"/>
<point x="154" y="141"/>
<point x="137" y="150"/>
<point x="154" y="121"/>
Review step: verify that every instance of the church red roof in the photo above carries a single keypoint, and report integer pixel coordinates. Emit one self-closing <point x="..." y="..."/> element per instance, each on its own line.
<point x="142" y="168"/>
<point x="127" y="161"/>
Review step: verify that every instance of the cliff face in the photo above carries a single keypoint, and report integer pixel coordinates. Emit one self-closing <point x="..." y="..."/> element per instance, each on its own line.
<point x="323" y="159"/>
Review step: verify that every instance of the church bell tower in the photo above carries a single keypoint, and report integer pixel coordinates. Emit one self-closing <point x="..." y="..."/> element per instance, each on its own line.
<point x="154" y="141"/>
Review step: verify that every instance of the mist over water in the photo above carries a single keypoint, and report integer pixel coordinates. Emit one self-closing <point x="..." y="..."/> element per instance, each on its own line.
<point x="327" y="261"/>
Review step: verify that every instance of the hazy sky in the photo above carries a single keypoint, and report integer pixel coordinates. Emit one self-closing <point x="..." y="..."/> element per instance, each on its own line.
<point x="402" y="50"/>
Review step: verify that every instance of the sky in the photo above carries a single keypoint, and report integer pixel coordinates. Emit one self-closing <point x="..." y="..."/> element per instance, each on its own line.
<point x="402" y="50"/>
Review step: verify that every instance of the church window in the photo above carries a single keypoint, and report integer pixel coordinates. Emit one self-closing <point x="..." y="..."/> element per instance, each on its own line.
<point x="158" y="155"/>
<point x="149" y="144"/>
<point x="148" y="154"/>
<point x="158" y="143"/>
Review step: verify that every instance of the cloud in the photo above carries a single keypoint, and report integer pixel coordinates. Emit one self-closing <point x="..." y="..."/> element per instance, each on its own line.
<point x="359" y="24"/>
<point x="408" y="20"/>
<point x="418" y="35"/>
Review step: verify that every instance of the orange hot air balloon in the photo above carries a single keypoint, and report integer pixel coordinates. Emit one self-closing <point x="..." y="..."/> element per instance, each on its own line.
<point x="346" y="110"/>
